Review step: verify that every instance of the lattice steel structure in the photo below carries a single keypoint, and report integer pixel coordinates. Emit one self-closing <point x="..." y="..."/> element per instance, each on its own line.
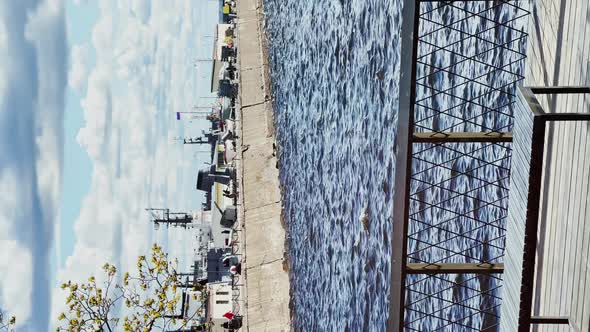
<point x="461" y="62"/>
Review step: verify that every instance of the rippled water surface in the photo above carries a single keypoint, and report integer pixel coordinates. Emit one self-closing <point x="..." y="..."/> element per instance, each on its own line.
<point x="335" y="75"/>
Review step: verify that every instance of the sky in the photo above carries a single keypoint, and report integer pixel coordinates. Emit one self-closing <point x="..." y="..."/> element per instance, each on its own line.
<point x="88" y="96"/>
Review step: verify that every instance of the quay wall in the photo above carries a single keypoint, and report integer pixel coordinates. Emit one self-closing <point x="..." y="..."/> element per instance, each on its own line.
<point x="265" y="297"/>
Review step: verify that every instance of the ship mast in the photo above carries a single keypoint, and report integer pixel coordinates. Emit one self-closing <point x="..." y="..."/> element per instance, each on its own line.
<point x="165" y="217"/>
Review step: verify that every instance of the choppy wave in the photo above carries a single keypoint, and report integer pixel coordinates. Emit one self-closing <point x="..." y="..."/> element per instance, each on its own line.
<point x="335" y="75"/>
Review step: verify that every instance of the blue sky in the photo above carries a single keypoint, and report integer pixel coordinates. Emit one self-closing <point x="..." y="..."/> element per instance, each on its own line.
<point x="77" y="165"/>
<point x="96" y="85"/>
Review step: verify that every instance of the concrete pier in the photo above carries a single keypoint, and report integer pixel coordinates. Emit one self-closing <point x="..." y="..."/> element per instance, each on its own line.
<point x="559" y="55"/>
<point x="265" y="294"/>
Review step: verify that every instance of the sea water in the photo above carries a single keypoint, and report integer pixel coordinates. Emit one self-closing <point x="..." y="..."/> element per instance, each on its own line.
<point x="335" y="78"/>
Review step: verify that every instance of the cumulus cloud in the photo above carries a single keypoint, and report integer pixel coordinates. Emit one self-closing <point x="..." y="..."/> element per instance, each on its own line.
<point x="142" y="76"/>
<point x="97" y="106"/>
<point x="34" y="62"/>
<point x="78" y="74"/>
<point x="15" y="261"/>
<point x="15" y="269"/>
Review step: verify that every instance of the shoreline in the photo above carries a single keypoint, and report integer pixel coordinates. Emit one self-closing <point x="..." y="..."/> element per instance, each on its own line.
<point x="264" y="295"/>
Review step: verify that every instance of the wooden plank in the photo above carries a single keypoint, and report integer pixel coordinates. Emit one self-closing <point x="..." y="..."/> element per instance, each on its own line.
<point x="461" y="137"/>
<point x="571" y="234"/>
<point x="563" y="232"/>
<point x="454" y="268"/>
<point x="574" y="245"/>
<point x="562" y="190"/>
<point x="580" y="316"/>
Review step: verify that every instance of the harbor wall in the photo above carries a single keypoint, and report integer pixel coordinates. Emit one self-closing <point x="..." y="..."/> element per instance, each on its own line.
<point x="265" y="296"/>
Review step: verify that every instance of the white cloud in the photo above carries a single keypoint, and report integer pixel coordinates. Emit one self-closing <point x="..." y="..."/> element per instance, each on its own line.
<point x="9" y="204"/>
<point x="15" y="270"/>
<point x="15" y="261"/>
<point x="103" y="38"/>
<point x="97" y="106"/>
<point x="78" y="75"/>
<point x="46" y="30"/>
<point x="143" y="74"/>
<point x="140" y="9"/>
<point x="31" y="151"/>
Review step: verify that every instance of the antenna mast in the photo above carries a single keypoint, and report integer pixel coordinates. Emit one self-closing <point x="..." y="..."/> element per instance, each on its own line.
<point x="165" y="217"/>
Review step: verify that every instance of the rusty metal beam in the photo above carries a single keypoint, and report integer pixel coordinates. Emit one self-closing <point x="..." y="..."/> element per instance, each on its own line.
<point x="434" y="137"/>
<point x="401" y="201"/>
<point x="453" y="268"/>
